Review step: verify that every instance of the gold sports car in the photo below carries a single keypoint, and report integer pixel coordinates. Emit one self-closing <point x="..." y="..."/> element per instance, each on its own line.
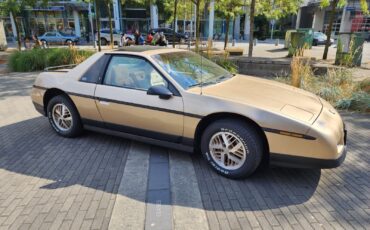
<point x="176" y="98"/>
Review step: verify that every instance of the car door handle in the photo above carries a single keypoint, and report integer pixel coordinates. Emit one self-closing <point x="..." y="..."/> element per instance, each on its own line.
<point x="103" y="102"/>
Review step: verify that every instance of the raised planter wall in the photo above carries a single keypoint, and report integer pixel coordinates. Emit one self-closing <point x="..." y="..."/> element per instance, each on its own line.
<point x="271" y="67"/>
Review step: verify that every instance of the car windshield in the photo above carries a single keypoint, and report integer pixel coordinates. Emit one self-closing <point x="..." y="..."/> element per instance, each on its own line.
<point x="190" y="69"/>
<point x="320" y="35"/>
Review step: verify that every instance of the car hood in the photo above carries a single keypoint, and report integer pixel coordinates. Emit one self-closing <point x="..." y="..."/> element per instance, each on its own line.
<point x="267" y="95"/>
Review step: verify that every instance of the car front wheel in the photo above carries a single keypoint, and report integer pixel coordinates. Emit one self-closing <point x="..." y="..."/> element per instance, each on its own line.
<point x="233" y="148"/>
<point x="63" y="116"/>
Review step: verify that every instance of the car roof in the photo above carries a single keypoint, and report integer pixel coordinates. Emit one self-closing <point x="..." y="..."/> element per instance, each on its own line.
<point x="148" y="50"/>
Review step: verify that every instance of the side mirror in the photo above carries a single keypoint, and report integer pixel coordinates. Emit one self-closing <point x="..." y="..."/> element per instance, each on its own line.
<point x="161" y="91"/>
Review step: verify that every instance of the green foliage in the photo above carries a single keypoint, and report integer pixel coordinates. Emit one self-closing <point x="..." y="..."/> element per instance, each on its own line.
<point x="226" y="64"/>
<point x="336" y="87"/>
<point x="342" y="3"/>
<point x="39" y="59"/>
<point x="229" y="8"/>
<point x="359" y="101"/>
<point x="279" y="8"/>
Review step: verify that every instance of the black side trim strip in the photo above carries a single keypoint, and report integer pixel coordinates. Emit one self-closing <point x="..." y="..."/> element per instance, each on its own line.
<point x="80" y="95"/>
<point x="130" y="104"/>
<point x="39" y="87"/>
<point x="138" y="131"/>
<point x="277" y="131"/>
<point x="288" y="133"/>
<point x="284" y="160"/>
<point x="152" y="141"/>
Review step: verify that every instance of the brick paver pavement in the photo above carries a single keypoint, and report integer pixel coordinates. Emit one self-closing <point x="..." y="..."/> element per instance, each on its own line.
<point x="50" y="182"/>
<point x="295" y="198"/>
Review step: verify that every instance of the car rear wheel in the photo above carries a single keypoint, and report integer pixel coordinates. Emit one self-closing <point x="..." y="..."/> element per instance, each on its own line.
<point x="68" y="41"/>
<point x="103" y="42"/>
<point x="233" y="148"/>
<point x="63" y="116"/>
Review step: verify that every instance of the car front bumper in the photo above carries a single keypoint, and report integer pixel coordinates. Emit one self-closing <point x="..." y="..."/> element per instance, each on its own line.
<point x="283" y="160"/>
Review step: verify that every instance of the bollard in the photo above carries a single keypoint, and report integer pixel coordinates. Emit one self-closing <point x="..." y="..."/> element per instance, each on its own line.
<point x="255" y="42"/>
<point x="233" y="44"/>
<point x="277" y="42"/>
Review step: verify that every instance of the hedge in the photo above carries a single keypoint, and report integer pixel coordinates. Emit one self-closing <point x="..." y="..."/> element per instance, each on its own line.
<point x="39" y="59"/>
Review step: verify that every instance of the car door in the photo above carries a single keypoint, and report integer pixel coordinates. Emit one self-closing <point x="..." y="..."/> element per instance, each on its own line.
<point x="50" y="37"/>
<point x="125" y="106"/>
<point x="59" y="38"/>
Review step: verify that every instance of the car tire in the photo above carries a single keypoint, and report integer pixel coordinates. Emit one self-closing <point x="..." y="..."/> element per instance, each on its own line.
<point x="68" y="41"/>
<point x="103" y="42"/>
<point x="71" y="126"/>
<point x="243" y="137"/>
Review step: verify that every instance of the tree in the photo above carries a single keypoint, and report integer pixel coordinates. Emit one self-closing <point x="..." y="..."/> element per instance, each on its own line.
<point x="15" y="7"/>
<point x="174" y="24"/>
<point x="334" y="4"/>
<point x="97" y="13"/>
<point x="273" y="9"/>
<point x="109" y="4"/>
<point x="251" y="27"/>
<point x="229" y="9"/>
<point x="174" y="10"/>
<point x="198" y="5"/>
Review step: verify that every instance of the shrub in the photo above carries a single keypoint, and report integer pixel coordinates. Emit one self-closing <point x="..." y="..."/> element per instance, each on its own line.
<point x="336" y="86"/>
<point x="39" y="59"/>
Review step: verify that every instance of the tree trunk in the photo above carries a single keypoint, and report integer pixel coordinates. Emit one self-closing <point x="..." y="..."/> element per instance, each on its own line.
<point x="227" y="32"/>
<point x="197" y="26"/>
<point x="334" y="4"/>
<point x="174" y="24"/>
<point x="19" y="40"/>
<point x="251" y="19"/>
<point x="110" y="24"/>
<point x="97" y="12"/>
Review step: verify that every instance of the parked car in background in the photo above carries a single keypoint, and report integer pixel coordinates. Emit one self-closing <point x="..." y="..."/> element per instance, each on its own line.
<point x="180" y="37"/>
<point x="105" y="37"/>
<point x="319" y="38"/>
<point x="57" y="37"/>
<point x="177" y="98"/>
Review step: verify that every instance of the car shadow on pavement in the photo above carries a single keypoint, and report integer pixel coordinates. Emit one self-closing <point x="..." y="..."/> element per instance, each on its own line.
<point x="97" y="161"/>
<point x="267" y="188"/>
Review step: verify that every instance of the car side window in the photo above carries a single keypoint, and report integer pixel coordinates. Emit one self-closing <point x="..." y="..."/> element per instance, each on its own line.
<point x="95" y="70"/>
<point x="132" y="72"/>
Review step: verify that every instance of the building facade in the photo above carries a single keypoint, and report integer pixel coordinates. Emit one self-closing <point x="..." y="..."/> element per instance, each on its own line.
<point x="347" y="19"/>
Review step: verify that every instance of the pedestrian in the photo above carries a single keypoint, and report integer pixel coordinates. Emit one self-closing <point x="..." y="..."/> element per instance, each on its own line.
<point x="149" y="37"/>
<point x="155" y="39"/>
<point x="141" y="39"/>
<point x="124" y="40"/>
<point x="137" y="36"/>
<point x="162" y="40"/>
<point x="38" y="43"/>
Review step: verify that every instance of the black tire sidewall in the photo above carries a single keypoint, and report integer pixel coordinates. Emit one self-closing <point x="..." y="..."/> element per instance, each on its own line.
<point x="250" y="139"/>
<point x="103" y="42"/>
<point x="76" y="123"/>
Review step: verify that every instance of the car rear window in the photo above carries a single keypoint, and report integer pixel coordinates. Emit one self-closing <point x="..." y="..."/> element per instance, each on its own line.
<point x="95" y="70"/>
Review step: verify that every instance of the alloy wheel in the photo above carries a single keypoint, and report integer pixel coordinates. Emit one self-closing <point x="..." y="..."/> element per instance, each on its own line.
<point x="62" y="117"/>
<point x="227" y="150"/>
